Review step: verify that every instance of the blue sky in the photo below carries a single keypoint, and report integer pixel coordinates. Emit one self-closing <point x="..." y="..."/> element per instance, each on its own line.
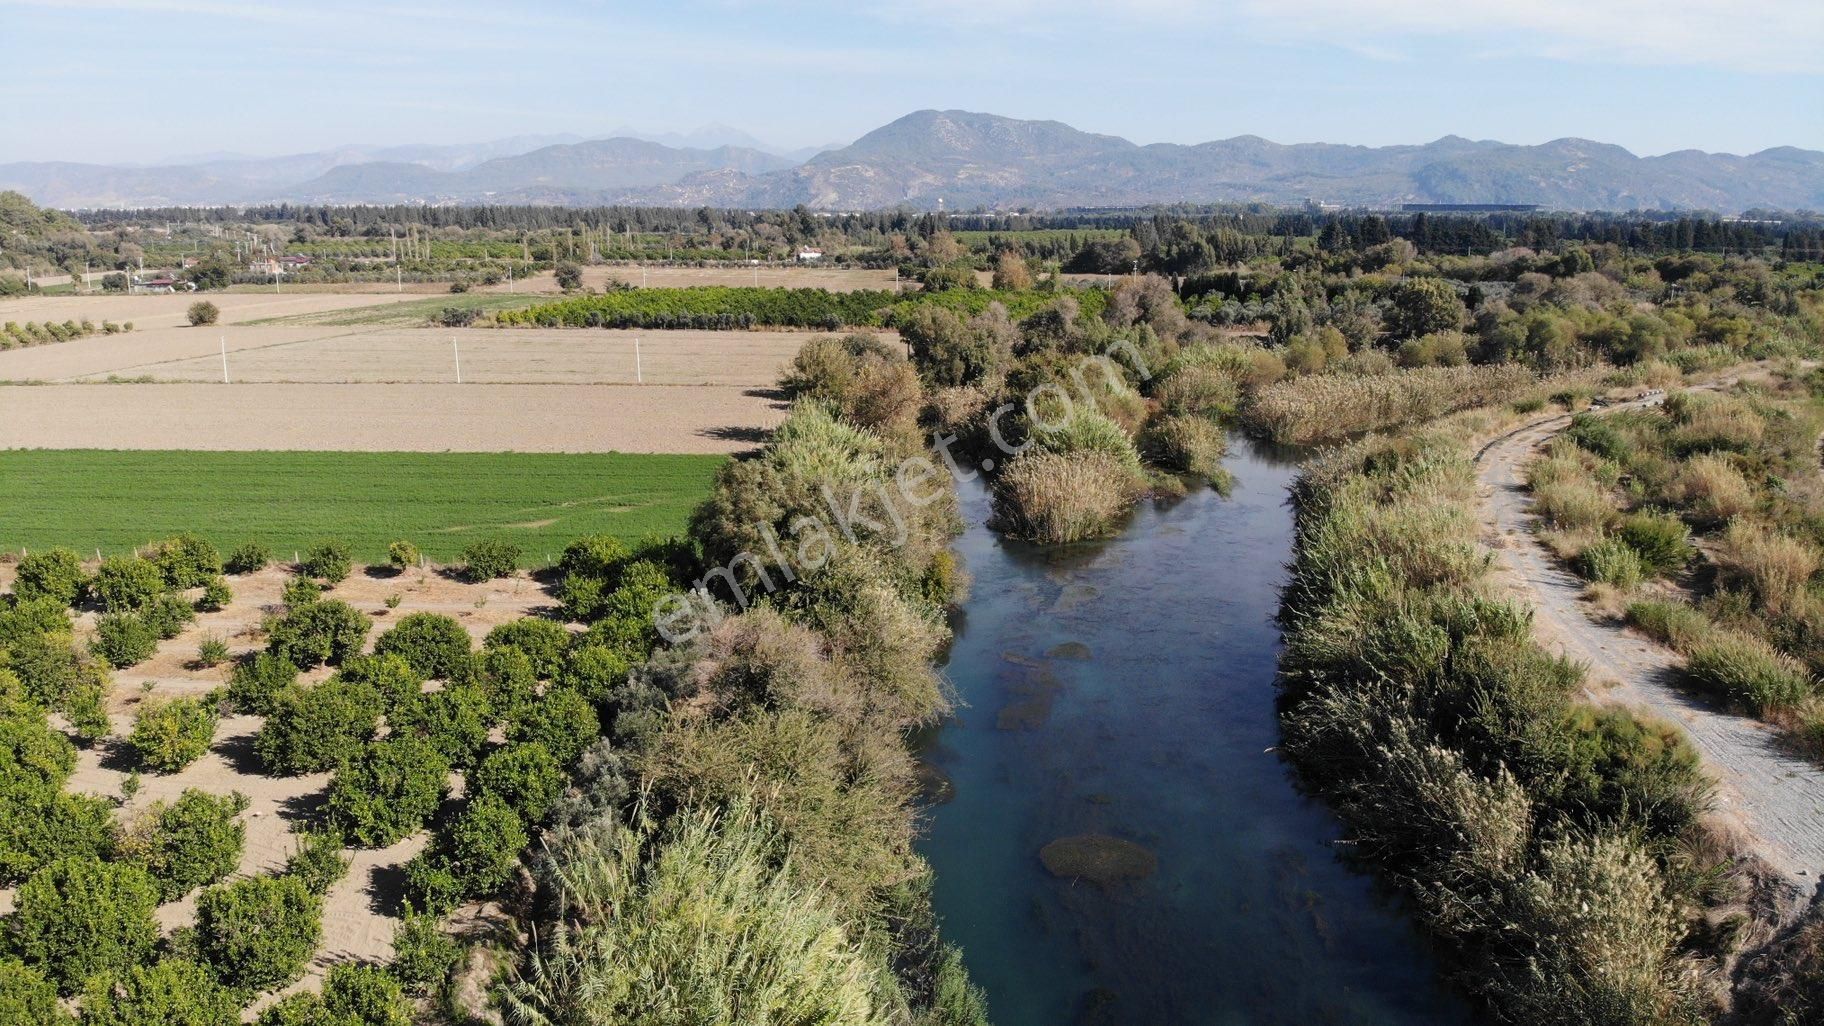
<point x="144" y="80"/>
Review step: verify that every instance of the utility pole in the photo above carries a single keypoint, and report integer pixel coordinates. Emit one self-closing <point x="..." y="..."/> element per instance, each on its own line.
<point x="454" y="348"/>
<point x="639" y="377"/>
<point x="225" y="359"/>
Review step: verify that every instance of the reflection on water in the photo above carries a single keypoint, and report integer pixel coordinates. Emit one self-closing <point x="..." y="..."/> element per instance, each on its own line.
<point x="1120" y="695"/>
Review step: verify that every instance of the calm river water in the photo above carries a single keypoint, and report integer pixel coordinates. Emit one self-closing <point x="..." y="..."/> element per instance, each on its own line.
<point x="1126" y="688"/>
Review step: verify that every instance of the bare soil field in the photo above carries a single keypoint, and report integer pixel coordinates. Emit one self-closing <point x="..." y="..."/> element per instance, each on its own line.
<point x="169" y="311"/>
<point x="138" y="352"/>
<point x="355" y="923"/>
<point x="389" y="418"/>
<point x="373" y="355"/>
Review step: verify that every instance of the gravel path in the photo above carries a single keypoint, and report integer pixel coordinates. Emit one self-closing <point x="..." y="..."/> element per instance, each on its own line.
<point x="1772" y="797"/>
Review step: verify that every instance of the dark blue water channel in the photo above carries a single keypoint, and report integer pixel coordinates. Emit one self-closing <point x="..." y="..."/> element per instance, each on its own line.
<point x="1126" y="689"/>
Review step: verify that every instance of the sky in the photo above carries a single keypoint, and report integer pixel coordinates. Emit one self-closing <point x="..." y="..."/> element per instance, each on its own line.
<point x="144" y="81"/>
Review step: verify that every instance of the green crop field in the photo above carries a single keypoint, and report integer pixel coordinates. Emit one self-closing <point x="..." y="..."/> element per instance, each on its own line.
<point x="114" y="501"/>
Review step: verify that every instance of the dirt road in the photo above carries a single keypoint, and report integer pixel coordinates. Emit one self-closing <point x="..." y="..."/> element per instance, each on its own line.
<point x="1774" y="798"/>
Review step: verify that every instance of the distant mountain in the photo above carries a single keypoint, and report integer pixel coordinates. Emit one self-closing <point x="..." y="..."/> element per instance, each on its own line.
<point x="964" y="160"/>
<point x="968" y="159"/>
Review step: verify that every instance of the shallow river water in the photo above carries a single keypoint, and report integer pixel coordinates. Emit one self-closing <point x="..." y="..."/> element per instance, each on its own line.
<point x="1126" y="689"/>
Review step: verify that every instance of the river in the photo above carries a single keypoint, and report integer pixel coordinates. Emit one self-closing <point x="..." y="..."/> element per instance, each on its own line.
<point x="1125" y="688"/>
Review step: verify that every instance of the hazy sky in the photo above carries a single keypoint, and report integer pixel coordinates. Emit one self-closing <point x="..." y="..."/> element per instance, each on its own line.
<point x="145" y="80"/>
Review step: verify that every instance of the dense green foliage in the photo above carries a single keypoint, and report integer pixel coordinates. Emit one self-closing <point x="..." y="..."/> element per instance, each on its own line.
<point x="435" y="646"/>
<point x="387" y="791"/>
<point x="171" y="734"/>
<point x="190" y="842"/>
<point x="312" y="729"/>
<point x="259" y="932"/>
<point x="78" y="917"/>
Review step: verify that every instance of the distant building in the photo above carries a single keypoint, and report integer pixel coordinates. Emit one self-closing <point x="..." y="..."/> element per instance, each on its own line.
<point x="809" y="256"/>
<point x="1467" y="208"/>
<point x="157" y="285"/>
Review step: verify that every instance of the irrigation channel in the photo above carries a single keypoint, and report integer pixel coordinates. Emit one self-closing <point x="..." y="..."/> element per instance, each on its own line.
<point x="1118" y="698"/>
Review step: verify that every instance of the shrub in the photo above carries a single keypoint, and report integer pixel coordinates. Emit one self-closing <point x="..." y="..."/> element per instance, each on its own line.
<point x="1670" y="623"/>
<point x="398" y="685"/>
<point x="387" y="792"/>
<point x="594" y="670"/>
<point x="250" y="558"/>
<point x="259" y="932"/>
<point x="212" y="652"/>
<point x="482" y="846"/>
<point x="329" y="560"/>
<point x="542" y="640"/>
<point x="403" y="555"/>
<point x="1053" y="499"/>
<point x="168" y="615"/>
<point x="78" y="917"/>
<point x="365" y="994"/>
<point x="317" y="862"/>
<point x="1205" y="391"/>
<point x="430" y="884"/>
<point x="216" y="596"/>
<point x="27" y="998"/>
<point x="170" y="992"/>
<point x="193" y="841"/>
<point x="187" y="561"/>
<point x="1712" y="489"/>
<point x="300" y="591"/>
<point x="490" y="558"/>
<point x="1604" y="924"/>
<point x="1662" y="542"/>
<point x="454" y="719"/>
<point x="202" y="312"/>
<point x="686" y="925"/>
<point x="312" y="729"/>
<point x="169" y="735"/>
<point x="1613" y="562"/>
<point x="562" y="720"/>
<point x="1087" y="431"/>
<point x="257" y="679"/>
<point x="123" y="639"/>
<point x="42" y="824"/>
<point x="1747" y="672"/>
<point x="124" y="584"/>
<point x="423" y="955"/>
<point x="1776" y="567"/>
<point x="54" y="574"/>
<point x="526" y="776"/>
<point x="435" y="646"/>
<point x="1186" y="445"/>
<point x="317" y="633"/>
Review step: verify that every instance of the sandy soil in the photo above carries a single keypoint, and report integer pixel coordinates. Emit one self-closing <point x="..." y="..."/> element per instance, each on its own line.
<point x="1774" y="797"/>
<point x="143" y="352"/>
<point x="375" y="355"/>
<point x="354" y="925"/>
<point x="390" y="418"/>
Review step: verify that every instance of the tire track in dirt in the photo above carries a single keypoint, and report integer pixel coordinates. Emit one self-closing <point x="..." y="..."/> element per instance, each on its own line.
<point x="1772" y="797"/>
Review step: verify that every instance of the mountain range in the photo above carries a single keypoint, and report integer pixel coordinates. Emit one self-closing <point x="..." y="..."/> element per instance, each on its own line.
<point x="959" y="160"/>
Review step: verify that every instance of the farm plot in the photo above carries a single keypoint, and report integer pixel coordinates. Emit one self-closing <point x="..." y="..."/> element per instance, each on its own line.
<point x="359" y="914"/>
<point x="389" y="418"/>
<point x="114" y="501"/>
<point x="376" y="355"/>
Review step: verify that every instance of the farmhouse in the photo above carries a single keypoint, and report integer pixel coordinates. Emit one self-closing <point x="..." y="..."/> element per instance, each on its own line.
<point x="809" y="256"/>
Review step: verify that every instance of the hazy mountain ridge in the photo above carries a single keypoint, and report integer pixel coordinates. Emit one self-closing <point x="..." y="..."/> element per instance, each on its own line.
<point x="965" y="160"/>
